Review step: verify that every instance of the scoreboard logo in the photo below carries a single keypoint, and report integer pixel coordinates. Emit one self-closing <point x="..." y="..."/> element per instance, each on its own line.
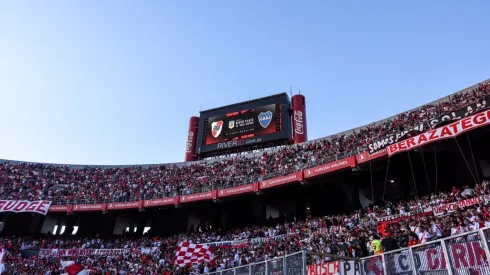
<point x="216" y="128"/>
<point x="231" y="124"/>
<point x="265" y="119"/>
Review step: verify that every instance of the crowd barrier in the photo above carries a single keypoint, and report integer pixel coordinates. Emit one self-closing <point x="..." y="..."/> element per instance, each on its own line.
<point x="291" y="264"/>
<point x="464" y="254"/>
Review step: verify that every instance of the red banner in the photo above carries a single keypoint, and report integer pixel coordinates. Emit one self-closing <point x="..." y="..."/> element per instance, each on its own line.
<point x="400" y="217"/>
<point x="451" y="207"/>
<point x="89" y="207"/>
<point x="211" y="195"/>
<point x="365" y="156"/>
<point x="40" y="207"/>
<point x="449" y="131"/>
<point x="330" y="167"/>
<point x="45" y="253"/>
<point x="294" y="177"/>
<point x="328" y="268"/>
<point x="242" y="189"/>
<point x="125" y="205"/>
<point x="161" y="202"/>
<point x="60" y="208"/>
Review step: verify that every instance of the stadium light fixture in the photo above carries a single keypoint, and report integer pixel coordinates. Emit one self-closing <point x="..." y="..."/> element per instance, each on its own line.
<point x="62" y="229"/>
<point x="135" y="229"/>
<point x="75" y="230"/>
<point x="55" y="229"/>
<point x="146" y="229"/>
<point x="392" y="181"/>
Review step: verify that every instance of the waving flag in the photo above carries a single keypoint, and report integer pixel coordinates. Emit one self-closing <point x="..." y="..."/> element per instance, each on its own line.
<point x="72" y="268"/>
<point x="189" y="253"/>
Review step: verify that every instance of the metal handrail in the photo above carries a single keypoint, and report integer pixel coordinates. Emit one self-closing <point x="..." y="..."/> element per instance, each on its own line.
<point x="443" y="244"/>
<point x="283" y="258"/>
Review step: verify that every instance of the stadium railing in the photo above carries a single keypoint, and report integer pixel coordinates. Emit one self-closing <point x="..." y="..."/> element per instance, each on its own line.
<point x="462" y="254"/>
<point x="291" y="264"/>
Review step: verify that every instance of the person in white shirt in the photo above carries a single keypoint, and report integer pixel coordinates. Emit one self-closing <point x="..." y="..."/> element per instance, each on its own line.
<point x="457" y="229"/>
<point x="424" y="235"/>
<point x="236" y="259"/>
<point x="437" y="229"/>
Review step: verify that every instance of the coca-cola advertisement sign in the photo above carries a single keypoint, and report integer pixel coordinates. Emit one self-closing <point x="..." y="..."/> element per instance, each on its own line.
<point x="299" y="122"/>
<point x="190" y="139"/>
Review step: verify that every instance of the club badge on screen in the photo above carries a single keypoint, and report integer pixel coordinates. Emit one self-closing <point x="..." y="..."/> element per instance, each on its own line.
<point x="216" y="128"/>
<point x="265" y="119"/>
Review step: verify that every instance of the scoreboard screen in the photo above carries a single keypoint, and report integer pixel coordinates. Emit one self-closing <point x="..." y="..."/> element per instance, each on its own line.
<point x="244" y="124"/>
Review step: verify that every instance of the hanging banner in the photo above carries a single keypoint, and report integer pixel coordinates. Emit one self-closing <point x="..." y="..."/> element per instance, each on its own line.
<point x="461" y="113"/>
<point x="40" y="207"/>
<point x="452" y="207"/>
<point x="391" y="139"/>
<point x="47" y="253"/>
<point x="350" y="268"/>
<point x="449" y="131"/>
<point x="466" y="257"/>
<point x="400" y="217"/>
<point x="328" y="268"/>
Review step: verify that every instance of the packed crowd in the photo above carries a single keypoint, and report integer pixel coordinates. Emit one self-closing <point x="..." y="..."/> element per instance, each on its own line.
<point x="353" y="235"/>
<point x="64" y="184"/>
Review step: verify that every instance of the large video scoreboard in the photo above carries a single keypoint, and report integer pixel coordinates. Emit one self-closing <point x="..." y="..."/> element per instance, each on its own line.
<point x="244" y="124"/>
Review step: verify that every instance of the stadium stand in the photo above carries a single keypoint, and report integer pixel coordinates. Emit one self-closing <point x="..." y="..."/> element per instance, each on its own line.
<point x="66" y="185"/>
<point x="343" y="235"/>
<point x="404" y="224"/>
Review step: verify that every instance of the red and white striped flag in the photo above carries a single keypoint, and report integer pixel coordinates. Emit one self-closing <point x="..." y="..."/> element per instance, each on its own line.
<point x="189" y="253"/>
<point x="72" y="268"/>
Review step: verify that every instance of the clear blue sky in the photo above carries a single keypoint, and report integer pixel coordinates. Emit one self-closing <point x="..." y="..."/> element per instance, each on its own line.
<point x="115" y="82"/>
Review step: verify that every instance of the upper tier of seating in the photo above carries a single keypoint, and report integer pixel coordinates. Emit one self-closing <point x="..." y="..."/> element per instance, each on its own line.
<point x="81" y="184"/>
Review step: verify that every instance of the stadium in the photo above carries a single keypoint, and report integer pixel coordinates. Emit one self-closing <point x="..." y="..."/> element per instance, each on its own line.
<point x="405" y="195"/>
